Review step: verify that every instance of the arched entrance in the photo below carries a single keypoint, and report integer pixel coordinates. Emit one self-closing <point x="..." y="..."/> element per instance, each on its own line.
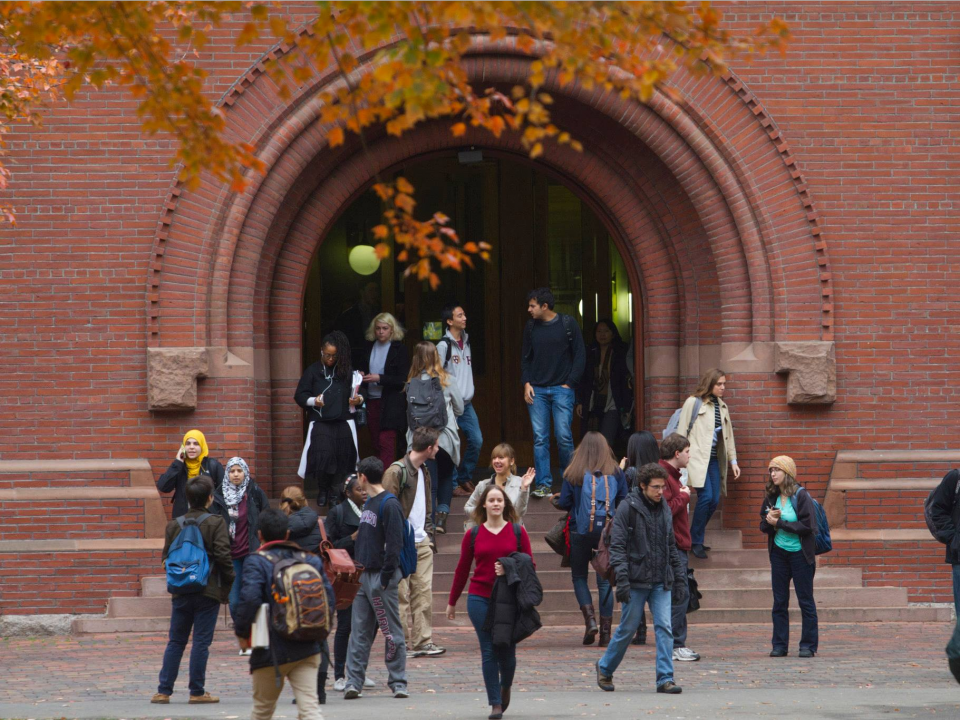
<point x="542" y="233"/>
<point x="718" y="233"/>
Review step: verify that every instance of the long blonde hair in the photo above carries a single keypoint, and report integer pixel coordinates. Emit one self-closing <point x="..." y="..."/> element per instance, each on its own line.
<point x="593" y="455"/>
<point x="386" y="319"/>
<point x="427" y="360"/>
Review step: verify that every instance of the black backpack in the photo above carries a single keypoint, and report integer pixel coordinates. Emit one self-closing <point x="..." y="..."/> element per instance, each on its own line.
<point x="476" y="531"/>
<point x="426" y="405"/>
<point x="928" y="506"/>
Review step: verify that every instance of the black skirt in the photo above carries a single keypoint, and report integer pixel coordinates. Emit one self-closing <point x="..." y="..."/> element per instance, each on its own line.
<point x="332" y="451"/>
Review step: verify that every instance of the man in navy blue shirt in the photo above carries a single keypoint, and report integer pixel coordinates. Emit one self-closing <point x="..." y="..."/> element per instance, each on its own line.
<point x="551" y="364"/>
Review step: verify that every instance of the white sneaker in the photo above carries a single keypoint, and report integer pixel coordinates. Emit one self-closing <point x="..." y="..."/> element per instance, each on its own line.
<point x="685" y="654"/>
<point x="368" y="683"/>
<point x="340" y="684"/>
<point x="400" y="692"/>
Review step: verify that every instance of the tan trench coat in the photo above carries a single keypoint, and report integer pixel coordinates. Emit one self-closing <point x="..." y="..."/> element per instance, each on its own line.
<point x="701" y="441"/>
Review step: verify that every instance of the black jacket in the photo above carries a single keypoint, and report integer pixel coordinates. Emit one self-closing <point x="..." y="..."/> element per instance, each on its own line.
<point x="336" y="394"/>
<point x="512" y="615"/>
<point x="304" y="529"/>
<point x="216" y="540"/>
<point x="945" y="513"/>
<point x="175" y="480"/>
<point x="255" y="591"/>
<point x="531" y="362"/>
<point x="256" y="503"/>
<point x="643" y="548"/>
<point x="620" y="378"/>
<point x="392" y="379"/>
<point x="805" y="526"/>
<point x="341" y="523"/>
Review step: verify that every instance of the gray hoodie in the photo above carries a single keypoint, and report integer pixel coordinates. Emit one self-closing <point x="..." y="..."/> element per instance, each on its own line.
<point x="460" y="366"/>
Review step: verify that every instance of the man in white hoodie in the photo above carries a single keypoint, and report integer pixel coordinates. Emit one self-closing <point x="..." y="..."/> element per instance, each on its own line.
<point x="457" y="360"/>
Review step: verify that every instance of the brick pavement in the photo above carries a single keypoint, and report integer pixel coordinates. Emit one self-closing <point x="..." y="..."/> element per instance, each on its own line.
<point x="114" y="675"/>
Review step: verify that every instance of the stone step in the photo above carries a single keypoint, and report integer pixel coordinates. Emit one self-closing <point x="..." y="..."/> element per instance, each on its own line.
<point x="758" y="559"/>
<point x="96" y="624"/>
<point x="557" y="578"/>
<point x="734" y="599"/>
<point x="757" y="616"/>
<point x="156" y="586"/>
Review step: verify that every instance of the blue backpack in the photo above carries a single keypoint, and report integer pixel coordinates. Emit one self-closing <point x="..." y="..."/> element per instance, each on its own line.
<point x="188" y="565"/>
<point x="408" y="553"/>
<point x="822" y="537"/>
<point x="596" y="503"/>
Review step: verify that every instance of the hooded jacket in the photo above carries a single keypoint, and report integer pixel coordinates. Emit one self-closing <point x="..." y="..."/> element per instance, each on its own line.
<point x="216" y="541"/>
<point x="460" y="366"/>
<point x="305" y="530"/>
<point x="341" y="523"/>
<point x="643" y="550"/>
<point x="255" y="590"/>
<point x="512" y="615"/>
<point x="393" y="478"/>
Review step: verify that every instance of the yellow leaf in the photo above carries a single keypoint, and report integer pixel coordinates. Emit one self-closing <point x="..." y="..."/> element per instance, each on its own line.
<point x="404" y="186"/>
<point x="459" y="129"/>
<point x="536" y="151"/>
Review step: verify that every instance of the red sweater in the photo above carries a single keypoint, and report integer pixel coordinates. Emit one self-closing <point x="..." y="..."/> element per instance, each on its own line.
<point x="487" y="550"/>
<point x="678" y="506"/>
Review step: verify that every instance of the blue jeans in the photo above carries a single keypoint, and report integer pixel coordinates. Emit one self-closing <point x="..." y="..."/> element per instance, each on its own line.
<point x="234" y="599"/>
<point x="557" y="402"/>
<point x="469" y="423"/>
<point x="708" y="497"/>
<point x="659" y="600"/>
<point x="499" y="663"/>
<point x="197" y="612"/>
<point x="581" y="550"/>
<point x="784" y="567"/>
<point x="956" y="589"/>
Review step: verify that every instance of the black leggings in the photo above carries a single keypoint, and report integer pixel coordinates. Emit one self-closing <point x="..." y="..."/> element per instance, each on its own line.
<point x="340" y="641"/>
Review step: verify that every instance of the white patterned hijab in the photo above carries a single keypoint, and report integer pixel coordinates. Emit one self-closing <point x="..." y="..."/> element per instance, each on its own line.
<point x="233" y="494"/>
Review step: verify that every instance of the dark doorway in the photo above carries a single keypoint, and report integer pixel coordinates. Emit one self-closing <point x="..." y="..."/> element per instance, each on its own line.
<point x="542" y="234"/>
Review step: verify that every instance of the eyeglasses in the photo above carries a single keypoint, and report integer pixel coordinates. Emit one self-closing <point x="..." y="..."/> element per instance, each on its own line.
<point x="772" y="471"/>
<point x="657" y="488"/>
<point x="328" y="356"/>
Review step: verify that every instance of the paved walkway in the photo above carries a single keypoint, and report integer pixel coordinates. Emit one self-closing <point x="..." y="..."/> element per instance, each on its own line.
<point x="864" y="671"/>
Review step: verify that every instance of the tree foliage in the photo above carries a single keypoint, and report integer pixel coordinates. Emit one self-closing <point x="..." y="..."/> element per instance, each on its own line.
<point x="400" y="64"/>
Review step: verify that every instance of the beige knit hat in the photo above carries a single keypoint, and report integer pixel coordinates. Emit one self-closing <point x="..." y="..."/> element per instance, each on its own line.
<point x="785" y="463"/>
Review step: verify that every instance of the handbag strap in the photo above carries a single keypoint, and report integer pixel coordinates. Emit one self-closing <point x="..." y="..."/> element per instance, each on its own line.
<point x="323" y="530"/>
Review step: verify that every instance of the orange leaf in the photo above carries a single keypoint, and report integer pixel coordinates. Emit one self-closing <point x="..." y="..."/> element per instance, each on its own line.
<point x="381" y="232"/>
<point x="335" y="137"/>
<point x="381" y="250"/>
<point x="404" y="186"/>
<point x="459" y="129"/>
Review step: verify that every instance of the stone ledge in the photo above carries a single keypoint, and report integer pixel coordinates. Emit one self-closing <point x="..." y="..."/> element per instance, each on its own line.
<point x="73" y="466"/>
<point x="902" y="456"/>
<point x="172" y="374"/>
<point x="868" y="534"/>
<point x="81" y="493"/>
<point x="84" y="545"/>
<point x="884" y="484"/>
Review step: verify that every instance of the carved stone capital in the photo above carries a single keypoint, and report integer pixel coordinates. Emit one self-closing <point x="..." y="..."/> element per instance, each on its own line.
<point x="811" y="369"/>
<point x="172" y="377"/>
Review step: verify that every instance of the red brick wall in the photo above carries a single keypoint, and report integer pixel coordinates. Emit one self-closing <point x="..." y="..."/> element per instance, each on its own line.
<point x="867" y="99"/>
<point x="71" y="582"/>
<point x="71" y="519"/>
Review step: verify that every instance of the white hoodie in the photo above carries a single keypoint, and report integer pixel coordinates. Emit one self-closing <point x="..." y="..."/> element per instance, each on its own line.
<point x="460" y="366"/>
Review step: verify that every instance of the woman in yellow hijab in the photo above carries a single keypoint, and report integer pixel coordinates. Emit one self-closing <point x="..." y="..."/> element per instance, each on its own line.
<point x="192" y="460"/>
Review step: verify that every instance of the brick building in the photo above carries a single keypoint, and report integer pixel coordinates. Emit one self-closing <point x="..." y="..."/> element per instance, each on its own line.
<point x="794" y="222"/>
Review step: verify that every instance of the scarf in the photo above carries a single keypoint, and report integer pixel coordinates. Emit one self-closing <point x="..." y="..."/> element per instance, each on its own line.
<point x="194" y="466"/>
<point x="353" y="506"/>
<point x="233" y="494"/>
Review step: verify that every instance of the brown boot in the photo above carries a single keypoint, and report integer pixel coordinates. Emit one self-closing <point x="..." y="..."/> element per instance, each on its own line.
<point x="605" y="623"/>
<point x="590" y="622"/>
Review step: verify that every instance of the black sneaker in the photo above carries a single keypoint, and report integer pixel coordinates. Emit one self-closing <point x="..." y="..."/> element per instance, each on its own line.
<point x="806" y="652"/>
<point x="778" y="652"/>
<point x="699" y="551"/>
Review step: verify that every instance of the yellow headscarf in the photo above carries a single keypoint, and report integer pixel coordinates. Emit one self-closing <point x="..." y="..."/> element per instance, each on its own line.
<point x="193" y="466"/>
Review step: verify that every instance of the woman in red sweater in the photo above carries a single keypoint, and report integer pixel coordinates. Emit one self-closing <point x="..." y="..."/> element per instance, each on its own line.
<point x="495" y="538"/>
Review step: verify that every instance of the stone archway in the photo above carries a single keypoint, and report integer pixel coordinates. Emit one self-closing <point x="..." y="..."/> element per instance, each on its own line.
<point x="726" y="249"/>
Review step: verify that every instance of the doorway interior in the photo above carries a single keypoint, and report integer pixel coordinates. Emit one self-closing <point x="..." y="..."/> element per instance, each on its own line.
<point x="542" y="234"/>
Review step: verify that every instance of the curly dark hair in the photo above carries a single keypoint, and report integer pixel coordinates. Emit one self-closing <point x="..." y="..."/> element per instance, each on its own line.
<point x="343" y="369"/>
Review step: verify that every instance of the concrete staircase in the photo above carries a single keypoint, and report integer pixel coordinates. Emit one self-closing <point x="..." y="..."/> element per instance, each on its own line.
<point x="735" y="584"/>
